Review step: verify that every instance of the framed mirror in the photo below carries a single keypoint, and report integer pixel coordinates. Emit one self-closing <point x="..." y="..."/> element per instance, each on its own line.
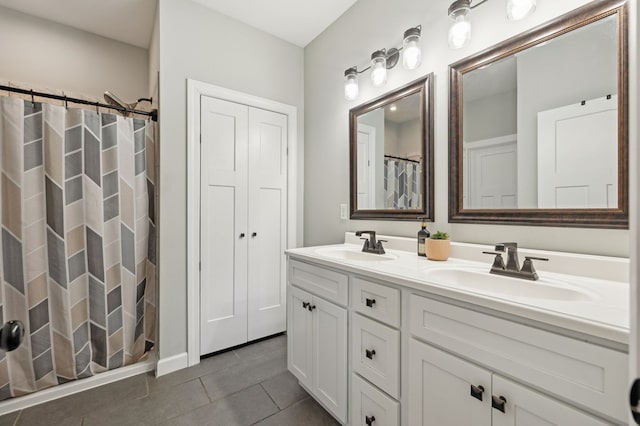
<point x="391" y="154"/>
<point x="538" y="125"/>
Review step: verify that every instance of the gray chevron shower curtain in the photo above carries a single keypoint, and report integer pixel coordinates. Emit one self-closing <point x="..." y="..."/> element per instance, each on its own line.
<point x="78" y="242"/>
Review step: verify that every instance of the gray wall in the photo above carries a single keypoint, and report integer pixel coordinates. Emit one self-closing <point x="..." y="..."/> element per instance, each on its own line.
<point x="490" y="117"/>
<point x="198" y="43"/>
<point x="370" y="25"/>
<point x="53" y="57"/>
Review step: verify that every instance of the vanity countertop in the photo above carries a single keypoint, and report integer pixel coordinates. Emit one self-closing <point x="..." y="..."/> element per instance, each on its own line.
<point x="603" y="312"/>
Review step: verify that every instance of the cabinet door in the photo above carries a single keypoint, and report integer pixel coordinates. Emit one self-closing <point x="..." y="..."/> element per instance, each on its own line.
<point x="267" y="222"/>
<point x="330" y="356"/>
<point x="440" y="389"/>
<point x="299" y="336"/>
<point x="223" y="239"/>
<point x="525" y="407"/>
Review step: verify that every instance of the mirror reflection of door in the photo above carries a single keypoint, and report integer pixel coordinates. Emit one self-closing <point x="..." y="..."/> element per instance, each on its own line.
<point x="580" y="144"/>
<point x="491" y="173"/>
<point x="366" y="166"/>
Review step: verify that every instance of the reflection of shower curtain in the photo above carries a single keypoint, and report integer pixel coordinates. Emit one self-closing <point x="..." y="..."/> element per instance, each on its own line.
<point x="78" y="242"/>
<point x="401" y="184"/>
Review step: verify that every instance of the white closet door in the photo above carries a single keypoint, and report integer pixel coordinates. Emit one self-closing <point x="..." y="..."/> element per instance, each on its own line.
<point x="267" y="222"/>
<point x="224" y="235"/>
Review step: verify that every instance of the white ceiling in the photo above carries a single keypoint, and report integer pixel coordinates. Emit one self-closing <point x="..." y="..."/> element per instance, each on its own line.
<point x="296" y="21"/>
<point x="128" y="21"/>
<point x="131" y="21"/>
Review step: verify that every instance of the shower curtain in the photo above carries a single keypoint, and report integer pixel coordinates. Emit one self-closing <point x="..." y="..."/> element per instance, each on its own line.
<point x="402" y="184"/>
<point x="78" y="242"/>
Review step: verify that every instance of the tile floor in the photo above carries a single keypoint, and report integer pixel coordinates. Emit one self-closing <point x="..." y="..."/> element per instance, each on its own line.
<point x="246" y="386"/>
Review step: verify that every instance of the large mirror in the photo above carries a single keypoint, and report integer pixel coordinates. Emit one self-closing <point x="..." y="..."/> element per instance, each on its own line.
<point x="538" y="125"/>
<point x="391" y="154"/>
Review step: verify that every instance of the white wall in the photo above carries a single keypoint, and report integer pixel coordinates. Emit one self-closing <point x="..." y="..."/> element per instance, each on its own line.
<point x="370" y="25"/>
<point x="200" y="44"/>
<point x="154" y="58"/>
<point x="47" y="55"/>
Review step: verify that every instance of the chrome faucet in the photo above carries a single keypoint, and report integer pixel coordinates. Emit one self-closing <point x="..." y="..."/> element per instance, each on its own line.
<point x="512" y="268"/>
<point x="370" y="244"/>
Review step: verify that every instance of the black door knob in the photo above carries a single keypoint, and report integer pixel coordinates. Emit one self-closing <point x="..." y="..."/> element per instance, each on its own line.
<point x="11" y="335"/>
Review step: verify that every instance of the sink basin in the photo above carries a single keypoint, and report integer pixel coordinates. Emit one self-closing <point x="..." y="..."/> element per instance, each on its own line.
<point x="341" y="253"/>
<point x="483" y="281"/>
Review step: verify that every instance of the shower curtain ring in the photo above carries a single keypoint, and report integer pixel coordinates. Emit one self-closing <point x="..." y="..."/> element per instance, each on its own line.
<point x="33" y="102"/>
<point x="66" y="105"/>
<point x="97" y="107"/>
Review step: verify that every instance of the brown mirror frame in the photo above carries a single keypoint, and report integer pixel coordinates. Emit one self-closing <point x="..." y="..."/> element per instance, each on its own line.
<point x="584" y="218"/>
<point x="423" y="86"/>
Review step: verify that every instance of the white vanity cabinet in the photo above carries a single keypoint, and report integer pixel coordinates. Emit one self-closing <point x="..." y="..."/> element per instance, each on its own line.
<point x="445" y="390"/>
<point x="388" y="352"/>
<point x="317" y="334"/>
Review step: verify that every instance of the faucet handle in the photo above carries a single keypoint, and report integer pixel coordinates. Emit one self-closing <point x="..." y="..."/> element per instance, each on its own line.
<point x="498" y="262"/>
<point x="536" y="258"/>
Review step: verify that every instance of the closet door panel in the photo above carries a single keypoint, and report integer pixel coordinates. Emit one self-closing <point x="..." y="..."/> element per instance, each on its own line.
<point x="223" y="278"/>
<point x="267" y="222"/>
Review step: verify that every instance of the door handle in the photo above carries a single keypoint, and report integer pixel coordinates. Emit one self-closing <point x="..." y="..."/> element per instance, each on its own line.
<point x="634" y="400"/>
<point x="11" y="335"/>
<point x="476" y="392"/>
<point x="369" y="420"/>
<point x="370" y="302"/>
<point x="498" y="402"/>
<point x="369" y="353"/>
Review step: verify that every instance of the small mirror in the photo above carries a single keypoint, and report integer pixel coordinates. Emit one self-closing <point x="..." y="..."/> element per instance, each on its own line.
<point x="538" y="125"/>
<point x="392" y="154"/>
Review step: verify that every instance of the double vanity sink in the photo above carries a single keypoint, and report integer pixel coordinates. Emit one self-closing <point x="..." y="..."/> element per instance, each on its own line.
<point x="394" y="338"/>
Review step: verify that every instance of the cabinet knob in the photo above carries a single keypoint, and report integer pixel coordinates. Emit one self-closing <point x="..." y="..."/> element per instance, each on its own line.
<point x="305" y="305"/>
<point x="242" y="235"/>
<point x="369" y="420"/>
<point x="476" y="392"/>
<point x="369" y="353"/>
<point x="311" y="307"/>
<point x="498" y="402"/>
<point x="370" y="302"/>
<point x="254" y="234"/>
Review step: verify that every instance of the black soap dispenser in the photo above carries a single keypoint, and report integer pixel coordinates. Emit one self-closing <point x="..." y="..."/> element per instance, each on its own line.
<point x="423" y="234"/>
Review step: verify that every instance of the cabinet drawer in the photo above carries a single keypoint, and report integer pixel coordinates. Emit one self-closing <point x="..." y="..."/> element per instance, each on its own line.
<point x="330" y="285"/>
<point x="376" y="353"/>
<point x="369" y="406"/>
<point x="589" y="375"/>
<point x="376" y="301"/>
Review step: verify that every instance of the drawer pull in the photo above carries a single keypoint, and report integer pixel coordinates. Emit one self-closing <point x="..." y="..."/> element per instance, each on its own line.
<point x="370" y="302"/>
<point x="498" y="402"/>
<point x="476" y="392"/>
<point x="369" y="420"/>
<point x="369" y="353"/>
<point x="311" y="307"/>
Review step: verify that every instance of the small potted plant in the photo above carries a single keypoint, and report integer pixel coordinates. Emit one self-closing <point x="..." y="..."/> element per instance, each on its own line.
<point x="438" y="246"/>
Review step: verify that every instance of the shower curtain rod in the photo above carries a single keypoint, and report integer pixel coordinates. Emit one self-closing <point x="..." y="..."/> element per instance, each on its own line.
<point x="153" y="113"/>
<point x="400" y="158"/>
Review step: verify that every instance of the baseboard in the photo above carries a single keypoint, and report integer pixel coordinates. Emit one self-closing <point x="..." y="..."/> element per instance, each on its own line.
<point x="172" y="363"/>
<point x="60" y="391"/>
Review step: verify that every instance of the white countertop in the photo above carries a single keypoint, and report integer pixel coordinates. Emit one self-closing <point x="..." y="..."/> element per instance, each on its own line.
<point x="604" y="314"/>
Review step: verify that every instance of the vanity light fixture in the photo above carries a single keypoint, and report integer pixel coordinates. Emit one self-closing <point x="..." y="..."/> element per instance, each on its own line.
<point x="379" y="67"/>
<point x="385" y="59"/>
<point x="460" y="30"/>
<point x="351" y="88"/>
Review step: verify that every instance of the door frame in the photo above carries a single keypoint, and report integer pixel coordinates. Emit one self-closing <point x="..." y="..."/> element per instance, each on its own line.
<point x="195" y="90"/>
